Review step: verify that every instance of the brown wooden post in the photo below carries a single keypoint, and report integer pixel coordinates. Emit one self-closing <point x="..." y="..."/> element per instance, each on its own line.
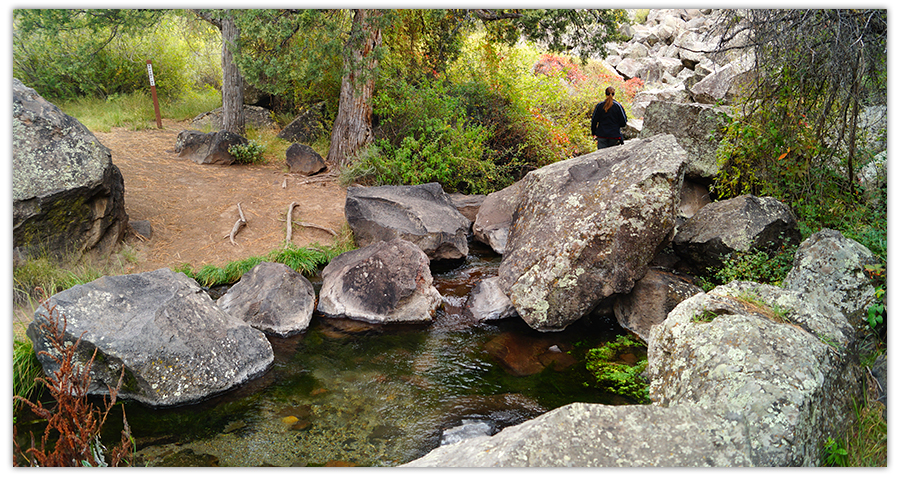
<point x="153" y="92"/>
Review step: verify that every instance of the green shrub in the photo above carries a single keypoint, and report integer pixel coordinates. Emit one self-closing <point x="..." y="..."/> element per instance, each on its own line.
<point x="249" y="153"/>
<point x="426" y="136"/>
<point x="756" y="266"/>
<point x="72" y="62"/>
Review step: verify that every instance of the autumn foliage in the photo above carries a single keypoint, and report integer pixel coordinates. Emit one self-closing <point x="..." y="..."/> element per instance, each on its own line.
<point x="73" y="420"/>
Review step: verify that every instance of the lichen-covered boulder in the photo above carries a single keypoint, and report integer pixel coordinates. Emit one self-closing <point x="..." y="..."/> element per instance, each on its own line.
<point x="765" y="357"/>
<point x="383" y="282"/>
<point x="175" y="345"/>
<point x="599" y="435"/>
<point x="742" y="224"/>
<point x="698" y="129"/>
<point x="830" y="271"/>
<point x="587" y="228"/>
<point x="421" y="214"/>
<point x="68" y="196"/>
<point x="272" y="298"/>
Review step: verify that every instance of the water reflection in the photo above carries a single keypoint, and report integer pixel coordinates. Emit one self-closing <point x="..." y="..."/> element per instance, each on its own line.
<point x="349" y="393"/>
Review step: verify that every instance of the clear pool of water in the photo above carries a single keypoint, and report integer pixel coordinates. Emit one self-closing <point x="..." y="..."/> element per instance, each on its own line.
<point x="345" y="393"/>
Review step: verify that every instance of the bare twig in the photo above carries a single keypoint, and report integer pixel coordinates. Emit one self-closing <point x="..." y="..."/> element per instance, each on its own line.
<point x="237" y="225"/>
<point x="289" y="220"/>
<point x="314" y="226"/>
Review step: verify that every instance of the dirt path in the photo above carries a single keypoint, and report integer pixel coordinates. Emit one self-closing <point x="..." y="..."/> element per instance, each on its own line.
<point x="192" y="207"/>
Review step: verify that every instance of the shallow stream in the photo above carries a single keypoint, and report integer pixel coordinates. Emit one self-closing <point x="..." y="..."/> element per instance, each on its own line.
<point x="346" y="393"/>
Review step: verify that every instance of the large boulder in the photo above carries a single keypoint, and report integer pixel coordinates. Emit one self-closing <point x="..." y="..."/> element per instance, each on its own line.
<point x="272" y="298"/>
<point x="599" y="435"/>
<point x="421" y="214"/>
<point x="586" y="228"/>
<point x="383" y="282"/>
<point x="698" y="129"/>
<point x="495" y="217"/>
<point x="746" y="375"/>
<point x="68" y="196"/>
<point x="303" y="159"/>
<point x="830" y="270"/>
<point x="207" y="148"/>
<point x="762" y="356"/>
<point x="172" y="341"/>
<point x="308" y="126"/>
<point x="650" y="301"/>
<point x="672" y="94"/>
<point x="725" y="83"/>
<point x="743" y="224"/>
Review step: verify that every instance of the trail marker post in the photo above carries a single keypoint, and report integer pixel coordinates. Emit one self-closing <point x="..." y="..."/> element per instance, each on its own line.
<point x="153" y="92"/>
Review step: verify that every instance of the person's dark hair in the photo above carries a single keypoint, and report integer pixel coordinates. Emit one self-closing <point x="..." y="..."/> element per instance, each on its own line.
<point x="610" y="92"/>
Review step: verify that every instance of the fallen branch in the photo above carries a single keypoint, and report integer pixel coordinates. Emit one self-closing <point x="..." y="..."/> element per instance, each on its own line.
<point x="289" y="221"/>
<point x="324" y="177"/>
<point x="314" y="226"/>
<point x="237" y="225"/>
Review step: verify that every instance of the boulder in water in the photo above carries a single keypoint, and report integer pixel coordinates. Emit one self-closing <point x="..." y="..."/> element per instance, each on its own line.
<point x="174" y="344"/>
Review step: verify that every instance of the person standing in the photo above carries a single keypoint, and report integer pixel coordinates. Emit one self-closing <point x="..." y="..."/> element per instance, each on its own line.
<point x="608" y="119"/>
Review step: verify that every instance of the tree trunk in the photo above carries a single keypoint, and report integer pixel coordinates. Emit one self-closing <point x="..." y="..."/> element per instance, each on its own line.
<point x="232" y="81"/>
<point x="353" y="125"/>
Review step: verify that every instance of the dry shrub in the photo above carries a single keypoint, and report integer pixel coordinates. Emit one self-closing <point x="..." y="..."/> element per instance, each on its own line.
<point x="73" y="419"/>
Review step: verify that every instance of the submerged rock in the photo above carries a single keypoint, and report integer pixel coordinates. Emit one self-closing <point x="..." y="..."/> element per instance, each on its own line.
<point x="172" y="341"/>
<point x="523" y="355"/>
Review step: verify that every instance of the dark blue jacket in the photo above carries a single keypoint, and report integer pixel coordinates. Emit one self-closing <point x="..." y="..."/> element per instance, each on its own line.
<point x="608" y="123"/>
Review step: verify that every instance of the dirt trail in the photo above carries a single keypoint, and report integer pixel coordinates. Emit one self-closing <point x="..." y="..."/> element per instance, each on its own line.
<point x="192" y="208"/>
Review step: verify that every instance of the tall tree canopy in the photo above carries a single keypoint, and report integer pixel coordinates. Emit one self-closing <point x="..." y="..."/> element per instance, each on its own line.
<point x="295" y="50"/>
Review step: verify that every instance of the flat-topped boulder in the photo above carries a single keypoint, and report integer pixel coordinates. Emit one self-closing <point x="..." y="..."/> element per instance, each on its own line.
<point x="421" y="214"/>
<point x="175" y="345"/>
